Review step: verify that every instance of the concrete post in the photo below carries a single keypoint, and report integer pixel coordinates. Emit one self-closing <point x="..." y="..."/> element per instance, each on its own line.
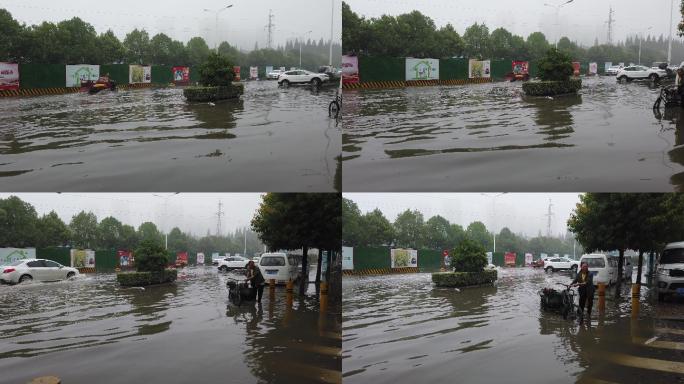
<point x="635" y="299"/>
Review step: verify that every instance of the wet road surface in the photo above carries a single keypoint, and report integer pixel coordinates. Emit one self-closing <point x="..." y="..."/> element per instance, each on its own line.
<point x="400" y="328"/>
<point x="275" y="139"/>
<point x="91" y="331"/>
<point x="491" y="137"/>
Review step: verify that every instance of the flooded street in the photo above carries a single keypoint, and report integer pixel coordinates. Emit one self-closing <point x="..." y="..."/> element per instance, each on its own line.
<point x="92" y="331"/>
<point x="401" y="328"/>
<point x="275" y="139"/>
<point x="491" y="137"/>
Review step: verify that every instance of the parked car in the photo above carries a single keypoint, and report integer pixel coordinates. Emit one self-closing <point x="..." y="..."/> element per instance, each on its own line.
<point x="604" y="268"/>
<point x="232" y="262"/>
<point x="670" y="271"/>
<point x="640" y="72"/>
<point x="539" y="263"/>
<point x="280" y="266"/>
<point x="300" y="76"/>
<point x="613" y="70"/>
<point x="35" y="269"/>
<point x="333" y="73"/>
<point x="554" y="264"/>
<point x="627" y="267"/>
<point x="274" y="74"/>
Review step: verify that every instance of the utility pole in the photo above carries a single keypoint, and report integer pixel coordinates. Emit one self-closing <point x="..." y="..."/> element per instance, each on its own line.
<point x="332" y="22"/>
<point x="610" y="25"/>
<point x="270" y="29"/>
<point x="548" y="217"/>
<point x="669" y="43"/>
<point x="219" y="214"/>
<point x="245" y="242"/>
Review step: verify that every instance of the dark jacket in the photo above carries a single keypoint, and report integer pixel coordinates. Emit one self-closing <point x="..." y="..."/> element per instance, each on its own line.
<point x="589" y="287"/>
<point x="255" y="277"/>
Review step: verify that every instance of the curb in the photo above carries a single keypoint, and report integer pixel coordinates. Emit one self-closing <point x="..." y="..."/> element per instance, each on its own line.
<point x="380" y="271"/>
<point x="414" y="83"/>
<point x="65" y="90"/>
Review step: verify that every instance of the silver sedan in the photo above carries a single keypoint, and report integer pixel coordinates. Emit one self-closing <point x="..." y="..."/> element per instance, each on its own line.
<point x="35" y="269"/>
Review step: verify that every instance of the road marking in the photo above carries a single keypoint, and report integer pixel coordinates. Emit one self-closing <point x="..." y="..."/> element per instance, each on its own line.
<point x="670" y="330"/>
<point x="645" y="363"/>
<point x="652" y="342"/>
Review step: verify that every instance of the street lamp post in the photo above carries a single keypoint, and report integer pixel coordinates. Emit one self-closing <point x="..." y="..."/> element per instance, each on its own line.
<point x="640" y="39"/>
<point x="300" y="49"/>
<point x="166" y="232"/>
<point x="493" y="197"/>
<point x="217" y="12"/>
<point x="557" y="8"/>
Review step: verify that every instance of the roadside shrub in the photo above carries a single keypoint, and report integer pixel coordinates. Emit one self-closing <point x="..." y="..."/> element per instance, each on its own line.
<point x="555" y="66"/>
<point x="469" y="256"/>
<point x="551" y="88"/>
<point x="205" y="94"/>
<point x="464" y="279"/>
<point x="151" y="257"/>
<point x="138" y="279"/>
<point x="217" y="70"/>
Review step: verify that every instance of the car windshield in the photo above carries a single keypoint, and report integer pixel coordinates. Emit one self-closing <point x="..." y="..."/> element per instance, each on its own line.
<point x="672" y="256"/>
<point x="272" y="261"/>
<point x="595" y="262"/>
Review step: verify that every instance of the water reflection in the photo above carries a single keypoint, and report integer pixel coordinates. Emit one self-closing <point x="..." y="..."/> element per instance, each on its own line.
<point x="553" y="116"/>
<point x="672" y="119"/>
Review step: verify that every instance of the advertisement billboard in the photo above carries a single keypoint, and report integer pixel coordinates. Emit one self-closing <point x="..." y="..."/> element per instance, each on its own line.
<point x="350" y="70"/>
<point x="181" y="258"/>
<point x="347" y="258"/>
<point x="75" y="74"/>
<point x="9" y="76"/>
<point x="528" y="259"/>
<point x="402" y="258"/>
<point x="181" y="75"/>
<point x="10" y="255"/>
<point x="82" y="258"/>
<point x="125" y="258"/>
<point x="576" y="68"/>
<point x="253" y="73"/>
<point x="139" y="74"/>
<point x="607" y="65"/>
<point x="521" y="67"/>
<point x="200" y="258"/>
<point x="479" y="69"/>
<point x="593" y="68"/>
<point x="509" y="259"/>
<point x="236" y="70"/>
<point x="422" y="69"/>
<point x="269" y="69"/>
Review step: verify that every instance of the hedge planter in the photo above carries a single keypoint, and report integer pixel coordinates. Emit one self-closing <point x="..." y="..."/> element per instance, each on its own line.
<point x="463" y="279"/>
<point x="552" y="88"/>
<point x="139" y="279"/>
<point x="205" y="94"/>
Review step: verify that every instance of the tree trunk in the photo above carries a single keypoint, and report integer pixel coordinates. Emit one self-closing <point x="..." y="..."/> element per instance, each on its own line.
<point x="618" y="281"/>
<point x="318" y="268"/>
<point x="641" y="262"/>
<point x="304" y="283"/>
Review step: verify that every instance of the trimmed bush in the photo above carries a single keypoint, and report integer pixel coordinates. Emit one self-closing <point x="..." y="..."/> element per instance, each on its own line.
<point x="151" y="257"/>
<point x="464" y="279"/>
<point x="138" y="279"/>
<point x="469" y="256"/>
<point x="205" y="94"/>
<point x="555" y="66"/>
<point x="551" y="88"/>
<point x="216" y="71"/>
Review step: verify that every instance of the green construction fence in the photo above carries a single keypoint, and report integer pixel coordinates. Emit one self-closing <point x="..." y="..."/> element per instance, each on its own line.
<point x="117" y="72"/>
<point x="32" y="76"/>
<point x="371" y="258"/>
<point x="381" y="69"/>
<point x="58" y="254"/>
<point x="162" y="74"/>
<point x="453" y="69"/>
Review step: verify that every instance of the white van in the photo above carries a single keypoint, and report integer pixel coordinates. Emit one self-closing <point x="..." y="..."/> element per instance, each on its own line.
<point x="280" y="266"/>
<point x="604" y="268"/>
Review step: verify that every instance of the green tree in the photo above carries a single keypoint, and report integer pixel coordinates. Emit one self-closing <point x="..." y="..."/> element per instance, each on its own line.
<point x="477" y="43"/>
<point x="178" y="241"/>
<point x="352" y="230"/>
<point x="197" y="50"/>
<point x="216" y="71"/>
<point x="84" y="230"/>
<point x="469" y="256"/>
<point x="109" y="233"/>
<point x="81" y="40"/>
<point x="438" y="233"/>
<point x="128" y="238"/>
<point x="109" y="48"/>
<point x="151" y="256"/>
<point x="18" y="221"/>
<point x="51" y="231"/>
<point x="456" y="234"/>
<point x="137" y="46"/>
<point x="537" y="45"/>
<point x="161" y="49"/>
<point x="502" y="43"/>
<point x="478" y="233"/>
<point x="11" y="36"/>
<point x="376" y="230"/>
<point x="555" y="66"/>
<point x="409" y="229"/>
<point x="148" y="231"/>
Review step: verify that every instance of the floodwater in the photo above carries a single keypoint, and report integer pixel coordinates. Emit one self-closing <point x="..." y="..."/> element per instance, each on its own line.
<point x="273" y="138"/>
<point x="491" y="137"/>
<point x="91" y="331"/>
<point x="400" y="328"/>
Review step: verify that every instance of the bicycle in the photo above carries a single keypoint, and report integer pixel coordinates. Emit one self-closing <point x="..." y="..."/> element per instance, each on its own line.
<point x="336" y="105"/>
<point x="240" y="291"/>
<point x="563" y="301"/>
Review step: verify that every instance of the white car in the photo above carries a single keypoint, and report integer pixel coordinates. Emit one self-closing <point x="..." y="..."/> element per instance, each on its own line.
<point x="300" y="76"/>
<point x="670" y="271"/>
<point x="232" y="262"/>
<point x="554" y="264"/>
<point x="274" y="74"/>
<point x="636" y="72"/>
<point x="35" y="269"/>
<point x="613" y="70"/>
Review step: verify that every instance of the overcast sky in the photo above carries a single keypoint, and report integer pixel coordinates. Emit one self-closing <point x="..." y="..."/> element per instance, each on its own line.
<point x="191" y="212"/>
<point x="521" y="212"/>
<point x="581" y="20"/>
<point x="242" y="25"/>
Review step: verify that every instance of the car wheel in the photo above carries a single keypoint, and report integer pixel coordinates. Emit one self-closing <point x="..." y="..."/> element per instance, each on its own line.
<point x="549" y="270"/>
<point x="622" y="78"/>
<point x="574" y="269"/>
<point x="653" y="77"/>
<point x="70" y="275"/>
<point x="223" y="268"/>
<point x="316" y="81"/>
<point x="25" y="278"/>
<point x="285" y="83"/>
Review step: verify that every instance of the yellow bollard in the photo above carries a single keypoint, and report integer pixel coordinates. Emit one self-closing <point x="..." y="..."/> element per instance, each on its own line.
<point x="288" y="286"/>
<point x="324" y="288"/>
<point x="635" y="299"/>
<point x="601" y="298"/>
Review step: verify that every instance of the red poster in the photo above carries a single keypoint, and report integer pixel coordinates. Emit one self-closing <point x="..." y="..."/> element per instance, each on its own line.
<point x="125" y="258"/>
<point x="181" y="258"/>
<point x="509" y="259"/>
<point x="9" y="76"/>
<point x="236" y="70"/>
<point x="576" y="68"/>
<point x="521" y="67"/>
<point x="350" y="70"/>
<point x="181" y="75"/>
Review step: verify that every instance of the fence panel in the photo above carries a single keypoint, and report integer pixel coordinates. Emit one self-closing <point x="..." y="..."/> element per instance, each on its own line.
<point x="500" y="68"/>
<point x="60" y="255"/>
<point x="117" y="72"/>
<point x="162" y="74"/>
<point x="381" y="69"/>
<point x="453" y="69"/>
<point x="106" y="260"/>
<point x="370" y="258"/>
<point x="429" y="260"/>
<point x="42" y="76"/>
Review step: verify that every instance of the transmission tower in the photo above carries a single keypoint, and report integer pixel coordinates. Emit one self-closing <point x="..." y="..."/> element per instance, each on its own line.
<point x="610" y="22"/>
<point x="270" y="27"/>
<point x="548" y="218"/>
<point x="219" y="214"/>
